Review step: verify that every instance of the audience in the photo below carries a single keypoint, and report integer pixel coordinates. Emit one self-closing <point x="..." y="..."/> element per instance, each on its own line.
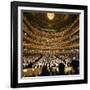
<point x="54" y="65"/>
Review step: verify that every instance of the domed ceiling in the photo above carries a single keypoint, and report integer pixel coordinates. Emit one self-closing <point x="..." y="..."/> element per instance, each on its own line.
<point x="50" y="21"/>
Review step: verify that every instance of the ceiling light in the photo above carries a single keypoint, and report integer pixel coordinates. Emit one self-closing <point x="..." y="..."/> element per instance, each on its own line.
<point x="50" y="16"/>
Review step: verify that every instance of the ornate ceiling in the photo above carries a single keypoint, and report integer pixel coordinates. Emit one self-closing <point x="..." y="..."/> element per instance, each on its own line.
<point x="59" y="22"/>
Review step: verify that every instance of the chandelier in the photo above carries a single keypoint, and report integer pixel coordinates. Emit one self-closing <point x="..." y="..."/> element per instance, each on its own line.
<point x="50" y="16"/>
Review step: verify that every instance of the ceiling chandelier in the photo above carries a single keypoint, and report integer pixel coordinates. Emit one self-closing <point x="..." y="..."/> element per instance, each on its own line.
<point x="50" y="16"/>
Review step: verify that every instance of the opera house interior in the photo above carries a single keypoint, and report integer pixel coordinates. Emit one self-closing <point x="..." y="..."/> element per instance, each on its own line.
<point x="50" y="44"/>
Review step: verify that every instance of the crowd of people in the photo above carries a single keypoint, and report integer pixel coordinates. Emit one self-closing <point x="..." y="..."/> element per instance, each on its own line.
<point x="53" y="65"/>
